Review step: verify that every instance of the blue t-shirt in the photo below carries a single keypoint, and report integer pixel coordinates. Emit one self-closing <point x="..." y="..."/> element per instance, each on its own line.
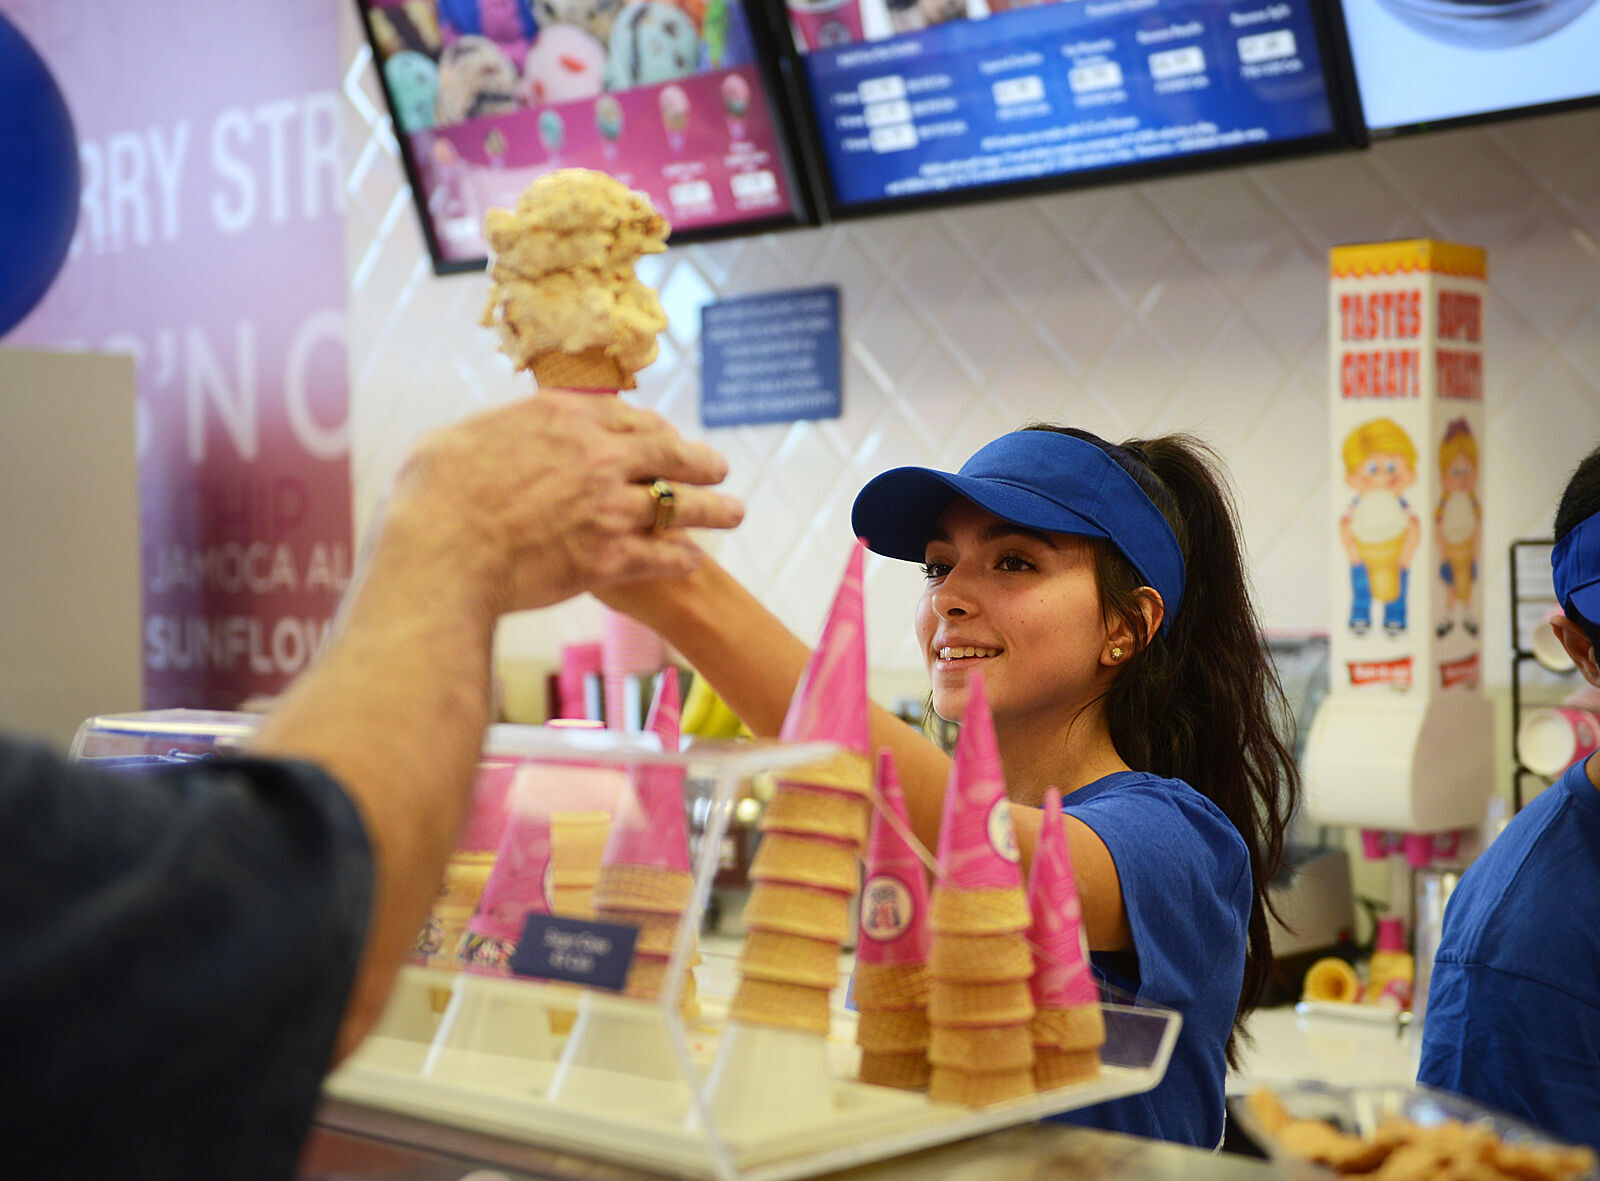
<point x="1513" y="1017"/>
<point x="1185" y="876"/>
<point x="180" y="946"/>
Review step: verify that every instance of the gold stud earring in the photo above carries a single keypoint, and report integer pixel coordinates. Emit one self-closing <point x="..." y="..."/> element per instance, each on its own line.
<point x="1116" y="654"/>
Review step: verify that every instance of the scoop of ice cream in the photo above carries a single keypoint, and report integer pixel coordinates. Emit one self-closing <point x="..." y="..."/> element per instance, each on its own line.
<point x="1379" y="516"/>
<point x="562" y="270"/>
<point x="1459" y="520"/>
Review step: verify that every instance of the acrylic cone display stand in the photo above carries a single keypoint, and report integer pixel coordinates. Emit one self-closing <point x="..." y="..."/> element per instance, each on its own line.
<point x="487" y="1062"/>
<point x="623" y="1051"/>
<point x="637" y="1083"/>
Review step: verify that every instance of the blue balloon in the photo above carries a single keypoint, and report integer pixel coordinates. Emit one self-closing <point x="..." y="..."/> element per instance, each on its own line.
<point x="38" y="177"/>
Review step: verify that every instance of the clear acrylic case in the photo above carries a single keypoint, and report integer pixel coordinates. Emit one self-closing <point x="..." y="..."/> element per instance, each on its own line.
<point x="635" y="1081"/>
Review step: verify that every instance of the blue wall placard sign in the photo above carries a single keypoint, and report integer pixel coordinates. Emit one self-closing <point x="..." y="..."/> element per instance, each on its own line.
<point x="582" y="951"/>
<point x="770" y="358"/>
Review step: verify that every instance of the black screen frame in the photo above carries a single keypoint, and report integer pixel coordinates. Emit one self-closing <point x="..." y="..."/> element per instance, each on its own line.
<point x="1349" y="133"/>
<point x="792" y="149"/>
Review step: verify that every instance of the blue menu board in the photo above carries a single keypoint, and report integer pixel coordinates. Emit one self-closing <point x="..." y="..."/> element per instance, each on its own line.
<point x="1042" y="93"/>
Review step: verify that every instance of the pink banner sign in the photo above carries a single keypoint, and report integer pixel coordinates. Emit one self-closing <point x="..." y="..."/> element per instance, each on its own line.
<point x="210" y="246"/>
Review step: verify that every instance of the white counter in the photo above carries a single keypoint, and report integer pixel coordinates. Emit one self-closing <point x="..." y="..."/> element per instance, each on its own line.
<point x="1336" y="1049"/>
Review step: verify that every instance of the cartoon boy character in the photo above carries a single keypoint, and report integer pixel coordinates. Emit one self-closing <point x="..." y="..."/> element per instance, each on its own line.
<point x="1379" y="530"/>
<point x="1459" y="524"/>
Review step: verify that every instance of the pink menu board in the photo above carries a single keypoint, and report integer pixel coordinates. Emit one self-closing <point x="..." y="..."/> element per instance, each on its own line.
<point x="673" y="99"/>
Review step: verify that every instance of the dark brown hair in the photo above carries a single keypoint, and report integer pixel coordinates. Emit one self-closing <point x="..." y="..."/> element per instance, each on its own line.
<point x="1226" y="727"/>
<point x="1580" y="500"/>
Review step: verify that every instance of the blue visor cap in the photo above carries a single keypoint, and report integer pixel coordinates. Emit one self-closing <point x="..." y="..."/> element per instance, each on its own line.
<point x="1575" y="569"/>
<point x="1037" y="479"/>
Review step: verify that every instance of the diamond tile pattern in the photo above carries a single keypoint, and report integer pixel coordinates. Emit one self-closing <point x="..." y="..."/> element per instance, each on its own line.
<point x="1193" y="304"/>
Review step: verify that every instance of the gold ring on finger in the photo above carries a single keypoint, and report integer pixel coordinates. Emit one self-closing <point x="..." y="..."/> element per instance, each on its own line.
<point x="666" y="501"/>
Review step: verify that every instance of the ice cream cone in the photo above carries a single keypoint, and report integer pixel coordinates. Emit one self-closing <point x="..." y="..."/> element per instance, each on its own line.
<point x="781" y="1004"/>
<point x="1382" y="560"/>
<point x="948" y="1084"/>
<point x="590" y="370"/>
<point x="658" y="931"/>
<point x="986" y="1048"/>
<point x="794" y="959"/>
<point x="957" y="957"/>
<point x="806" y="861"/>
<point x="976" y="912"/>
<point x="798" y="910"/>
<point x="889" y="986"/>
<point x="794" y="808"/>
<point x="1061" y="977"/>
<point x="907" y="1071"/>
<point x="1082" y="1027"/>
<point x="893" y="1030"/>
<point x="977" y="843"/>
<point x="894" y="895"/>
<point x="1002" y="1002"/>
<point x="465" y="876"/>
<point x="830" y="702"/>
<point x="1461" y="558"/>
<point x="641" y="887"/>
<point x="1054" y="1067"/>
<point x="564" y="299"/>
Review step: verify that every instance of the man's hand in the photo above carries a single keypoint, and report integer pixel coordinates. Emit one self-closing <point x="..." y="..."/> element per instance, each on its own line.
<point x="543" y="498"/>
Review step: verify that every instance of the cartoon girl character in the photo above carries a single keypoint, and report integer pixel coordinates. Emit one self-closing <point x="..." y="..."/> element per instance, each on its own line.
<point x="1459" y="524"/>
<point x="1379" y="530"/>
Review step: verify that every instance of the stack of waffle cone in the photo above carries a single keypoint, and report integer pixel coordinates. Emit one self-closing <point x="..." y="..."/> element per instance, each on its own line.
<point x="645" y="879"/>
<point x="891" y="978"/>
<point x="805" y="872"/>
<point x="980" y="1007"/>
<point x="1068" y="1026"/>
<point x="577" y="840"/>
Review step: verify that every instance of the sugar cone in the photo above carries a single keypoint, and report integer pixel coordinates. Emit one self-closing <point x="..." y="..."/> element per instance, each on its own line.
<point x="590" y="370"/>
<point x="977" y="843"/>
<point x="1061" y="977"/>
<point x="894" y="893"/>
<point x="651" y="827"/>
<point x="830" y="702"/>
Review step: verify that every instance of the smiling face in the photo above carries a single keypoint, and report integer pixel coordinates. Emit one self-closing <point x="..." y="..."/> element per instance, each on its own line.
<point x="1022" y="607"/>
<point x="1382" y="471"/>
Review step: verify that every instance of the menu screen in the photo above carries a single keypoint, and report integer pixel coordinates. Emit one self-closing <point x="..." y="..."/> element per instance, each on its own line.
<point x="1430" y="61"/>
<point x="941" y="96"/>
<point x="670" y="98"/>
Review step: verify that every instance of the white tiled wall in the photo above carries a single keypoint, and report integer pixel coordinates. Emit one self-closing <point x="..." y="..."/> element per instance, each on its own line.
<point x="1195" y="304"/>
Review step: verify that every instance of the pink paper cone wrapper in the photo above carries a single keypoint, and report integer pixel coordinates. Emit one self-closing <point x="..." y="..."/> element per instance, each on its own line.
<point x="650" y="827"/>
<point x="1061" y="976"/>
<point x="830" y="702"/>
<point x="894" y="892"/>
<point x="977" y="843"/>
<point x="516" y="885"/>
<point x="491" y="805"/>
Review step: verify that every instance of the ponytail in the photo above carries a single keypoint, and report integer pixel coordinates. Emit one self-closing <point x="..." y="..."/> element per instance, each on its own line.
<point x="1209" y="679"/>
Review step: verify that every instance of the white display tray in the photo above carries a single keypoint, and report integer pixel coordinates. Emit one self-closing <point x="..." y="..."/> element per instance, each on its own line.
<point x="700" y="1099"/>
